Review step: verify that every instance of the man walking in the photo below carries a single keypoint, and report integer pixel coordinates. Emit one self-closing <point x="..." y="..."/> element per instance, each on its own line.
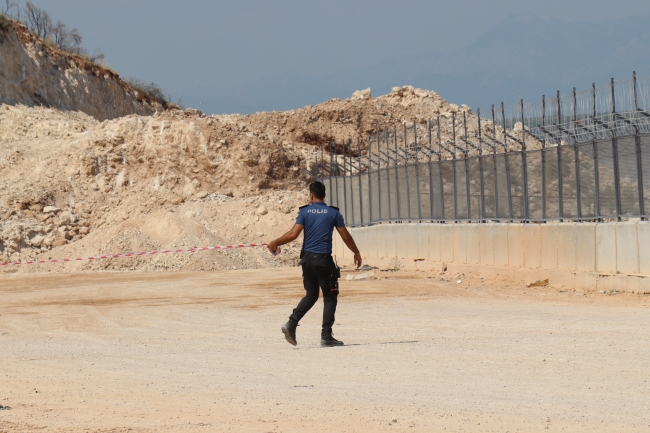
<point x="318" y="220"/>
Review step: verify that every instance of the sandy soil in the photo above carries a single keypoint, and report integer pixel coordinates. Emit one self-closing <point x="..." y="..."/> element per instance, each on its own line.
<point x="143" y="352"/>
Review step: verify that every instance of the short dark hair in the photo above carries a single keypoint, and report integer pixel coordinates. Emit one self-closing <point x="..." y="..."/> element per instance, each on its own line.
<point x="318" y="189"/>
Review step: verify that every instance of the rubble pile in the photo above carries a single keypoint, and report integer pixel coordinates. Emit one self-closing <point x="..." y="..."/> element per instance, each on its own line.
<point x="73" y="185"/>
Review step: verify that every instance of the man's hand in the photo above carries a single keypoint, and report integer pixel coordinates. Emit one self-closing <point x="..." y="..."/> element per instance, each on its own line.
<point x="289" y="236"/>
<point x="357" y="259"/>
<point x="272" y="246"/>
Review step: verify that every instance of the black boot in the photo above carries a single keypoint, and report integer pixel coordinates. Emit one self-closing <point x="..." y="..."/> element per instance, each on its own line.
<point x="328" y="340"/>
<point x="289" y="331"/>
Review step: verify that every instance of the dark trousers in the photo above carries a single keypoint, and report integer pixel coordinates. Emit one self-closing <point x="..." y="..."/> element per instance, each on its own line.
<point x="316" y="274"/>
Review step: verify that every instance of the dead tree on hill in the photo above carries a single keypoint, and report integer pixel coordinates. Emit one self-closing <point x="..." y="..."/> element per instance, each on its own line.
<point x="8" y="6"/>
<point x="38" y="20"/>
<point x="66" y="39"/>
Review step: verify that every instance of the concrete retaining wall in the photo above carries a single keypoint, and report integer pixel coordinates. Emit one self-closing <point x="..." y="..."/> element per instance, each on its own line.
<point x="602" y="256"/>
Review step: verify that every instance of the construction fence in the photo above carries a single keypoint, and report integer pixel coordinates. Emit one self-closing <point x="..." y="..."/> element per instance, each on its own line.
<point x="578" y="165"/>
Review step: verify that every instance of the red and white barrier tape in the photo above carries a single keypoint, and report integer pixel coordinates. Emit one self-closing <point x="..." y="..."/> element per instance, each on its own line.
<point x="140" y="254"/>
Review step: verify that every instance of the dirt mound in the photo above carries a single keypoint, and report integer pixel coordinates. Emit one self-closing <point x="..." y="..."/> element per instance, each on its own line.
<point x="72" y="185"/>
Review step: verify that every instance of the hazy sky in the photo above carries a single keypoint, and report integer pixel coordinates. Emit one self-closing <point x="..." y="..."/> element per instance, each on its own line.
<point x="184" y="44"/>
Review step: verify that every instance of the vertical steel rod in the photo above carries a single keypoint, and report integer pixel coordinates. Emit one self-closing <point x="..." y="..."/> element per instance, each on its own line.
<point x="469" y="213"/>
<point x="406" y="175"/>
<point x="503" y="118"/>
<point x="397" y="198"/>
<point x="639" y="173"/>
<point x="617" y="180"/>
<point x="332" y="180"/>
<point x="544" y="184"/>
<point x="494" y="158"/>
<point x="559" y="163"/>
<point x="319" y="162"/>
<point x="617" y="183"/>
<point x="506" y="157"/>
<point x="480" y="167"/>
<point x="386" y="136"/>
<point x="370" y="172"/>
<point x="576" y="153"/>
<point x="574" y="120"/>
<point x="345" y="189"/>
<point x="613" y="96"/>
<point x="353" y="217"/>
<point x="576" y="156"/>
<point x="596" y="182"/>
<point x="636" y="99"/>
<point x="430" y="173"/>
<point x="560" y="183"/>
<point x="453" y="127"/>
<point x="494" y="126"/>
<point x="524" y="163"/>
<point x="593" y="94"/>
<point x="360" y="182"/>
<point x="417" y="169"/>
<point x="381" y="217"/>
<point x="507" y="161"/>
<point x="544" y="118"/>
<point x="595" y="154"/>
<point x="441" y="186"/>
<point x="575" y="106"/>
<point x="523" y="127"/>
<point x="559" y="109"/>
<point x="639" y="161"/>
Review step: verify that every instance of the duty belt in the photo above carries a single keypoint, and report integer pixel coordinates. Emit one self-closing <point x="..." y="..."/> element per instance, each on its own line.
<point x="304" y="256"/>
<point x="315" y="256"/>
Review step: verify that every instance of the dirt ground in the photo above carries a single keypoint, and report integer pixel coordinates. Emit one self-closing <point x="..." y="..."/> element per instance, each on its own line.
<point x="203" y="351"/>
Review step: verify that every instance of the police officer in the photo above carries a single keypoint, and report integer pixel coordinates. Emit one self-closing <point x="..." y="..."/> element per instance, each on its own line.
<point x="318" y="220"/>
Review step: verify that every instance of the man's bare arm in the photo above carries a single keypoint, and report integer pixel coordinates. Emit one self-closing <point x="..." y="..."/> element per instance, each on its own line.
<point x="349" y="241"/>
<point x="289" y="236"/>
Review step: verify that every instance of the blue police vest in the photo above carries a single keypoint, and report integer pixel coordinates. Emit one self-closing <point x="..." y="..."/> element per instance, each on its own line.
<point x="319" y="221"/>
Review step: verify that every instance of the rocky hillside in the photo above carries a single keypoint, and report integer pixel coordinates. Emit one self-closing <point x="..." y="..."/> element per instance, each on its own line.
<point x="34" y="73"/>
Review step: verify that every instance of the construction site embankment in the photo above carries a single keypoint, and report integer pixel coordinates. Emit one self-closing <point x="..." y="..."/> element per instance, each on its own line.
<point x="607" y="256"/>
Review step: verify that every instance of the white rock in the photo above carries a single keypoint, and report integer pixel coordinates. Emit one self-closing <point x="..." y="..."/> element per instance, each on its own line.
<point x="50" y="209"/>
<point x="261" y="210"/>
<point x="37" y="241"/>
<point x="202" y="194"/>
<point x="66" y="216"/>
<point x="362" y="94"/>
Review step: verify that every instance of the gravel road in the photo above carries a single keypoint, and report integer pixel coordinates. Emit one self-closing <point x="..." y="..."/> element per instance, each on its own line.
<point x="177" y="352"/>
